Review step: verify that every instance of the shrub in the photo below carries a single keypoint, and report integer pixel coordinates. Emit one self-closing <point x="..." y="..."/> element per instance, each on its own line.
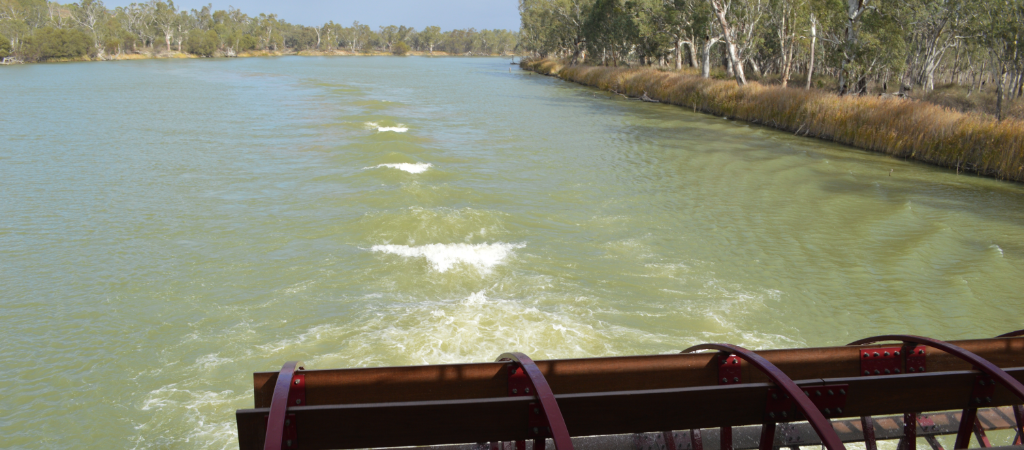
<point x="202" y="43"/>
<point x="49" y="43"/>
<point x="246" y="43"/>
<point x="400" y="49"/>
<point x="5" y="47"/>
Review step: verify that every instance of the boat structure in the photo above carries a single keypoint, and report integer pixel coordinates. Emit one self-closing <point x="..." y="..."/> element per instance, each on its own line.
<point x="907" y="390"/>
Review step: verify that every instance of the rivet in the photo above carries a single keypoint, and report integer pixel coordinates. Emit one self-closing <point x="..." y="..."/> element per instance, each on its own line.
<point x="735" y="361"/>
<point x="876" y="354"/>
<point x="842" y="391"/>
<point x="784" y="414"/>
<point x="818" y="393"/>
<point x="910" y="369"/>
<point x="920" y="369"/>
<point x="298" y="401"/>
<point x="775" y="396"/>
<point x="977" y="400"/>
<point x="288" y="442"/>
<point x="897" y="370"/>
<point x="725" y="380"/>
<point x="920" y="352"/>
<point x="536" y="430"/>
<point x="536" y="410"/>
<point x="839" y="410"/>
<point x="865" y="355"/>
<point x="981" y="382"/>
<point x="527" y="390"/>
<point x="877" y="372"/>
<point x="771" y="414"/>
<point x="736" y="379"/>
<point x="886" y="353"/>
<point x="515" y="391"/>
<point x="830" y="392"/>
<point x="287" y="422"/>
<point x="296" y="381"/>
<point x="896" y="353"/>
<point x="867" y="372"/>
<point x="886" y="371"/>
<point x="807" y="393"/>
<point x="827" y="411"/>
<point x="988" y="399"/>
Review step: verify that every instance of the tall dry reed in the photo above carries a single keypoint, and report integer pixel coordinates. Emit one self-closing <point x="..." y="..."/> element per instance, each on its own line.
<point x="903" y="128"/>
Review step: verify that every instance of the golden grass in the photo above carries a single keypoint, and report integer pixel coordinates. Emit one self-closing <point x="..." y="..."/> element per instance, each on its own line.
<point x="903" y="128"/>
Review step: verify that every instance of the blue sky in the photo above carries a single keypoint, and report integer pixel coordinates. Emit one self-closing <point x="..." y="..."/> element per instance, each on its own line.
<point x="447" y="14"/>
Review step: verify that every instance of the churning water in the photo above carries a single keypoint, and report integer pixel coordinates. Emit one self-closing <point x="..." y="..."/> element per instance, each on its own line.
<point x="169" y="227"/>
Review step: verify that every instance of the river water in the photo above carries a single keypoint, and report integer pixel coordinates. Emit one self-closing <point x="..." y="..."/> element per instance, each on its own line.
<point x="169" y="227"/>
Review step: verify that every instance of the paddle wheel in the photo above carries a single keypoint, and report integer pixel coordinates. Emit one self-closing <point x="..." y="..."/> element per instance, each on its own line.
<point x="709" y="397"/>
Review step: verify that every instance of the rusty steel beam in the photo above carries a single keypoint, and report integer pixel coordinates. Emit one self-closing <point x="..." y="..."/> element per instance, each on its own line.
<point x="503" y="418"/>
<point x="568" y="376"/>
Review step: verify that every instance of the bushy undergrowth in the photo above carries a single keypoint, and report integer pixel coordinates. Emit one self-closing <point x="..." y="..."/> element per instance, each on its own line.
<point x="903" y="128"/>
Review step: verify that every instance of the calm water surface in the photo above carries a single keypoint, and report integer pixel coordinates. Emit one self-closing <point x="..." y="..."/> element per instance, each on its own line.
<point x="169" y="227"/>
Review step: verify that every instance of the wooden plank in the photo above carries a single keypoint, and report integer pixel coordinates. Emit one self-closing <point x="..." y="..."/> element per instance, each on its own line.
<point x="567" y="376"/>
<point x="505" y="418"/>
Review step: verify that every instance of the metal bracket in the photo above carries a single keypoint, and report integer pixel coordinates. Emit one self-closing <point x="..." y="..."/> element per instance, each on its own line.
<point x="728" y="369"/>
<point x="828" y="399"/>
<point x="881" y="361"/>
<point x="982" y="390"/>
<point x="916" y="360"/>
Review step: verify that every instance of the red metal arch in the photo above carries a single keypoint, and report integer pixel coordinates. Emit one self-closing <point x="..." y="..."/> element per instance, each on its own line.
<point x="969" y="415"/>
<point x="821" y="425"/>
<point x="1012" y="334"/>
<point x="279" y="406"/>
<point x="979" y="363"/>
<point x="559" y="433"/>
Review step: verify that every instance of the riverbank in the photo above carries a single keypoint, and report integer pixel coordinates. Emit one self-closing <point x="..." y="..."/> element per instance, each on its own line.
<point x="248" y="54"/>
<point x="902" y="128"/>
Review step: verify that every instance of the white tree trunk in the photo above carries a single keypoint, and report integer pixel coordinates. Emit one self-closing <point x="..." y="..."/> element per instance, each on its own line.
<point x="814" y="38"/>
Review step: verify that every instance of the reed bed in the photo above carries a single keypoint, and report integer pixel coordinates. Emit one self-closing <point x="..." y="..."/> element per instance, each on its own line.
<point x="910" y="129"/>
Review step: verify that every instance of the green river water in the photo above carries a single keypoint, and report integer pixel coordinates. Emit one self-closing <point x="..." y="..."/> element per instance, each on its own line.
<point x="169" y="227"/>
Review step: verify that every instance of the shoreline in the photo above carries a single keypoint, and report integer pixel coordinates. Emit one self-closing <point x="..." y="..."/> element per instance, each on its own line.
<point x="908" y="129"/>
<point x="250" y="54"/>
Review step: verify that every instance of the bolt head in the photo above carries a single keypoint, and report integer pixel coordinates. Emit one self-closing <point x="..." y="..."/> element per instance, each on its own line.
<point x="886" y="371"/>
<point x="735" y="361"/>
<point x="920" y="369"/>
<point x="988" y="399"/>
<point x="775" y="396"/>
<point x="920" y="352"/>
<point x="876" y="354"/>
<point x="877" y="372"/>
<point x="886" y="353"/>
<point x="867" y="372"/>
<point x="527" y="390"/>
<point x="736" y="379"/>
<point x="536" y="410"/>
<point x="830" y="392"/>
<point x="296" y="381"/>
<point x="827" y="411"/>
<point x="287" y="422"/>
<point x="515" y="391"/>
<point x="865" y="355"/>
<point x="897" y="370"/>
<point x="771" y="414"/>
<point x="725" y="380"/>
<point x="839" y="410"/>
<point x="288" y="442"/>
<point x="298" y="401"/>
<point x="784" y="414"/>
<point x="842" y="391"/>
<point x="818" y="393"/>
<point x="896" y="353"/>
<point x="536" y="430"/>
<point x="910" y="369"/>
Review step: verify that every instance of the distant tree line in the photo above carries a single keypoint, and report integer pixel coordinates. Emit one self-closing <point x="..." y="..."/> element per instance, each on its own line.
<point x="37" y="30"/>
<point x="891" y="43"/>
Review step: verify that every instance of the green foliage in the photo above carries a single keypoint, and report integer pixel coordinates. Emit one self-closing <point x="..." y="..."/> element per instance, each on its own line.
<point x="5" y="46"/>
<point x="50" y="43"/>
<point x="400" y="49"/>
<point x="202" y="43"/>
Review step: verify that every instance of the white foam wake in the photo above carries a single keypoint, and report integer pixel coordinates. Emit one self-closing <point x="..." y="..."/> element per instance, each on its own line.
<point x="443" y="257"/>
<point x="397" y="129"/>
<point x="411" y="168"/>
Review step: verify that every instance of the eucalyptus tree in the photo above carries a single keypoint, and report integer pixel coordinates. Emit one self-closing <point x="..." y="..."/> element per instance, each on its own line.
<point x="739" y="20"/>
<point x="430" y="36"/>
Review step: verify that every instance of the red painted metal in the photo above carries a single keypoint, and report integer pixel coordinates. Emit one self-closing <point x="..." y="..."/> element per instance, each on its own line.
<point x="695" y="440"/>
<point x="725" y="438"/>
<point x="1018" y="415"/>
<point x="555" y="422"/>
<point x="881" y="361"/>
<point x="979" y="433"/>
<point x="276" y="423"/>
<point x="767" y="436"/>
<point x="729" y="369"/>
<point x="820" y="424"/>
<point x="909" y="439"/>
<point x="670" y="440"/>
<point x="867" y="425"/>
<point x="916" y="359"/>
<point x="969" y="415"/>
